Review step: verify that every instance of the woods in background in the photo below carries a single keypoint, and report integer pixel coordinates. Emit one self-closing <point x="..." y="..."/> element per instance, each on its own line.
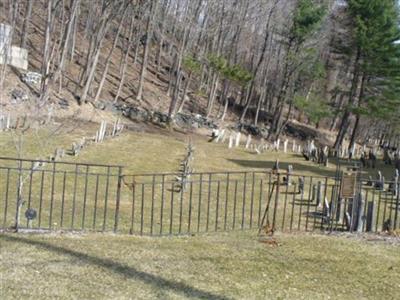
<point x="333" y="64"/>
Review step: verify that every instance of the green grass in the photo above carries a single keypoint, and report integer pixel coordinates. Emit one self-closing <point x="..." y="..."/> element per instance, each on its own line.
<point x="223" y="265"/>
<point x="234" y="266"/>
<point x="147" y="153"/>
<point x="158" y="152"/>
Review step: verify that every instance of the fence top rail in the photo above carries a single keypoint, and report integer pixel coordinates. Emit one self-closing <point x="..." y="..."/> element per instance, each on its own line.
<point x="248" y="171"/>
<point x="59" y="162"/>
<point x="50" y="171"/>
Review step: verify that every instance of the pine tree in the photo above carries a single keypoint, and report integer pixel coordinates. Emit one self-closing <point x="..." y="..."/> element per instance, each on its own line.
<point x="376" y="60"/>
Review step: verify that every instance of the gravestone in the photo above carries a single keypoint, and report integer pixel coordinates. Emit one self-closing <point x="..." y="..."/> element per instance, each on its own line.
<point x="220" y="136"/>
<point x="319" y="193"/>
<point x="380" y="182"/>
<point x="289" y="172"/>
<point x="394" y="184"/>
<point x="340" y="210"/>
<point x="230" y="145"/>
<point x="285" y="143"/>
<point x="237" y="143"/>
<point x="370" y="221"/>
<point x="248" y="141"/>
<point x="301" y="185"/>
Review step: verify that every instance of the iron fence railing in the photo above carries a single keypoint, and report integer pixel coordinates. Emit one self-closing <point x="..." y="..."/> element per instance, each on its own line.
<point x="65" y="196"/>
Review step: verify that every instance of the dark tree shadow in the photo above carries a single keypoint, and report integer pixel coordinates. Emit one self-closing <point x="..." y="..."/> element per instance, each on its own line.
<point x="297" y="168"/>
<point x="127" y="271"/>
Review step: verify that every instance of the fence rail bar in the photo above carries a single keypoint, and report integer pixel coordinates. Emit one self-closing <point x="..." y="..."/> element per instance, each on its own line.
<point x="82" y="198"/>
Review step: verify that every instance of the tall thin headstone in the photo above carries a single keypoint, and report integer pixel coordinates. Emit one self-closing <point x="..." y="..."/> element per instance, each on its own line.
<point x="285" y="143"/>
<point x="230" y="145"/>
<point x="237" y="143"/>
<point x="248" y="141"/>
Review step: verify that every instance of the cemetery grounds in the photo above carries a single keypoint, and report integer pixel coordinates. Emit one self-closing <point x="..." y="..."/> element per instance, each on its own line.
<point x="222" y="265"/>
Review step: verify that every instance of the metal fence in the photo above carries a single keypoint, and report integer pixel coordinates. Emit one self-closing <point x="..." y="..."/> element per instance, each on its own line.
<point x="58" y="195"/>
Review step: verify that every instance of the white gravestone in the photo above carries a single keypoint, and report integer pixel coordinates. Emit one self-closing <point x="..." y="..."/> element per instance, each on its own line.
<point x="248" y="141"/>
<point x="285" y="143"/>
<point x="237" y="143"/>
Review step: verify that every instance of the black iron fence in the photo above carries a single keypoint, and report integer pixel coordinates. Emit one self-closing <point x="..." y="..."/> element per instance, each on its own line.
<point x="57" y="195"/>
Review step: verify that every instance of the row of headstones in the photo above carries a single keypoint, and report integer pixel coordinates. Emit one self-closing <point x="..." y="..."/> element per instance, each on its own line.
<point x="390" y="157"/>
<point x="102" y="134"/>
<point x="357" y="216"/>
<point x="186" y="168"/>
<point x="355" y="222"/>
<point x="319" y="155"/>
<point x="8" y="122"/>
<point x="379" y="183"/>
<point x="5" y="122"/>
<point x="353" y="217"/>
<point x="235" y="138"/>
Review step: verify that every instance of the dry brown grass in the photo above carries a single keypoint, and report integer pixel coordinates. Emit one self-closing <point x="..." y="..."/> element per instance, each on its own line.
<point x="223" y="266"/>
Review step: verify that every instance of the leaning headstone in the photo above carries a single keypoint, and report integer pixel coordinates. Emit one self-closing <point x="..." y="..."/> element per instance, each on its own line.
<point x="327" y="209"/>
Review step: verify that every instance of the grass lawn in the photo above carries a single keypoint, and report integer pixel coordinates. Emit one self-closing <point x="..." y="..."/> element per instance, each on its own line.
<point x="220" y="266"/>
<point x="142" y="152"/>
<point x="160" y="151"/>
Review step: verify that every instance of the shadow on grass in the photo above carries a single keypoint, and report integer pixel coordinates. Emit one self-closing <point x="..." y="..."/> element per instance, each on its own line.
<point x="297" y="168"/>
<point x="113" y="266"/>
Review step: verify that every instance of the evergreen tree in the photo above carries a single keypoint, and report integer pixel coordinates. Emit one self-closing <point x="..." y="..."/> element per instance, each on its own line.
<point x="376" y="61"/>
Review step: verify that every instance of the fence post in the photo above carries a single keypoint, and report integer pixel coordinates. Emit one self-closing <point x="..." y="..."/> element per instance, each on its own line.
<point x="118" y="200"/>
<point x="19" y="197"/>
<point x="397" y="207"/>
<point x="276" y="201"/>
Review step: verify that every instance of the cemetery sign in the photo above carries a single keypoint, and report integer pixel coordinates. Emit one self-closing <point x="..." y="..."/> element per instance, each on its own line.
<point x="348" y="186"/>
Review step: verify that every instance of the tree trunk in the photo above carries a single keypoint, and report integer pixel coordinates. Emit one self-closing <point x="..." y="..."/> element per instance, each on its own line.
<point x="185" y="89"/>
<point x="149" y="32"/>
<point x="108" y="60"/>
<point x="46" y="54"/>
<point x="356" y="124"/>
<point x="27" y="22"/>
<point x="125" y="61"/>
<point x="64" y="44"/>
<point x="344" y="126"/>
